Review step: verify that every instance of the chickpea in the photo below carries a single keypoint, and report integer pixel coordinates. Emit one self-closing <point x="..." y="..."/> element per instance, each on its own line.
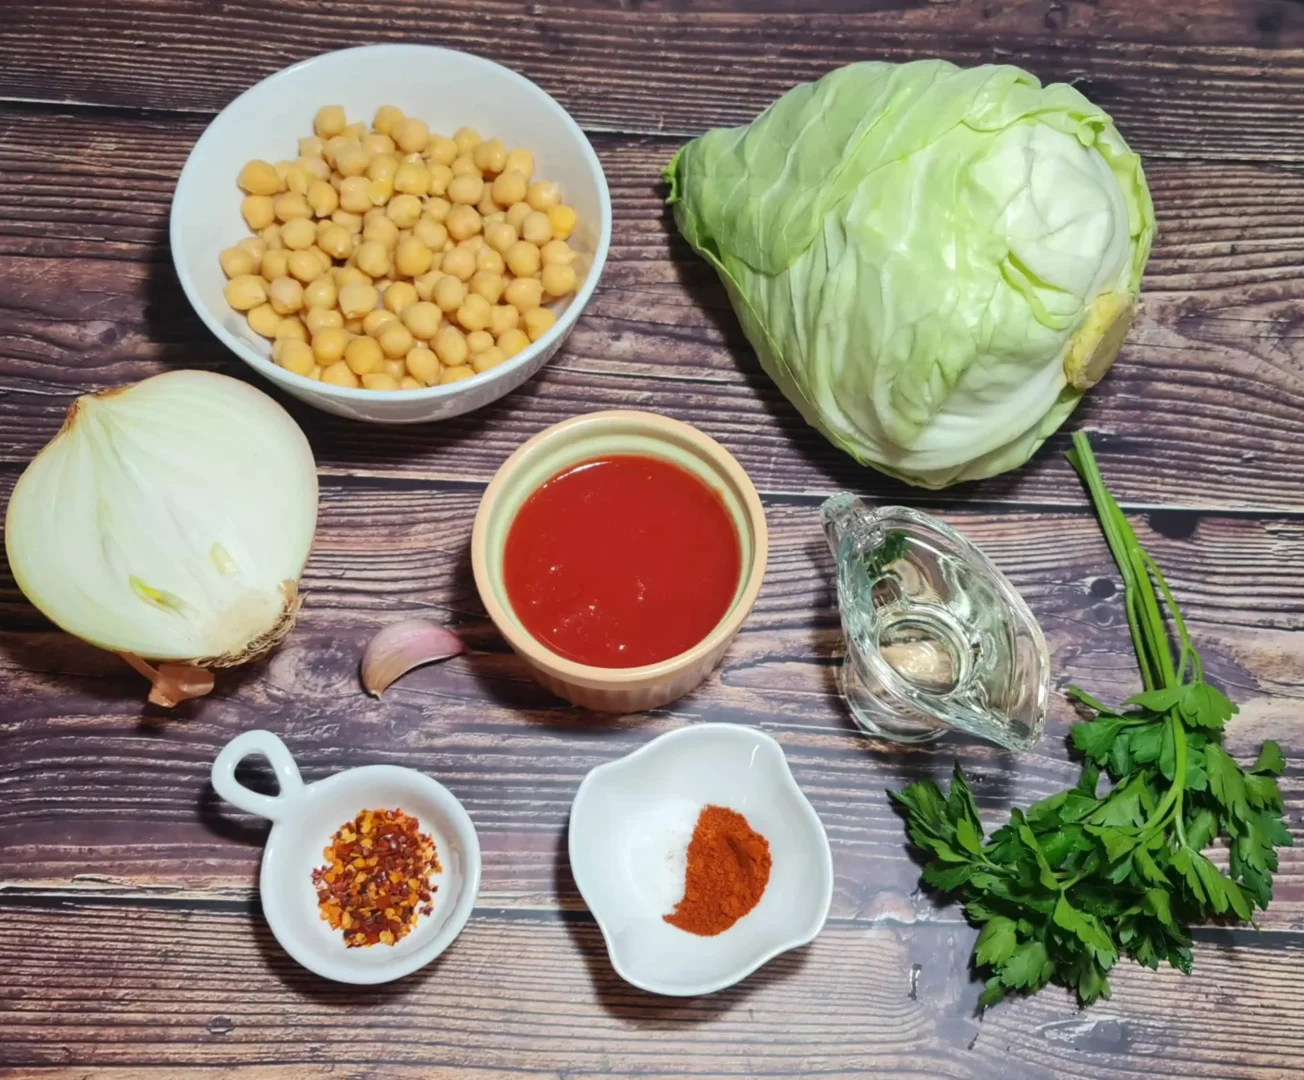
<point x="440" y="177"/>
<point x="290" y="206"/>
<point x="467" y="139"/>
<point x="255" y="245"/>
<point x="464" y="165"/>
<point x="374" y="321"/>
<point x="355" y="196"/>
<point x="245" y="292"/>
<point x="522" y="258"/>
<point x="455" y="374"/>
<point x="441" y="150"/>
<point x="263" y="320"/>
<point x="339" y="375"/>
<point x="412" y="258"/>
<point x="558" y="279"/>
<point x="387" y="118"/>
<point x="383" y="167"/>
<point x="522" y="161"/>
<point x="305" y="267"/>
<point x="298" y="234"/>
<point x="379" y="381"/>
<point x="315" y="373"/>
<point x="348" y="220"/>
<point x="400" y="296"/>
<point x="517" y="213"/>
<point x="557" y="252"/>
<point x="236" y="261"/>
<point x="328" y="345"/>
<point x="395" y="339"/>
<point x="286" y="295"/>
<point x="426" y="283"/>
<point x="423" y="365"/>
<point x="448" y="294"/>
<point x="410" y="135"/>
<point x="488" y="284"/>
<point x="412" y="178"/>
<point x="355" y="130"/>
<point x="538" y="321"/>
<point x="430" y="233"/>
<point x="479" y="340"/>
<point x="353" y="326"/>
<point x="474" y="314"/>
<point x="323" y="199"/>
<point x="363" y="355"/>
<point x="259" y="178"/>
<point x="294" y="355"/>
<point x="372" y="258"/>
<point x="258" y="211"/>
<point x="336" y="145"/>
<point x="395" y="369"/>
<point x="404" y="210"/>
<point x="509" y="188"/>
<point x="315" y="167"/>
<point x="502" y="318"/>
<point x="377" y="143"/>
<point x="562" y="218"/>
<point x="536" y="228"/>
<point x="500" y="236"/>
<point x="271" y="236"/>
<point x="297" y="180"/>
<point x="336" y="241"/>
<point x="329" y="121"/>
<point x="437" y="209"/>
<point x="291" y="327"/>
<point x="450" y="346"/>
<point x="462" y="222"/>
<point x="513" y="341"/>
<point x="543" y="195"/>
<point x="311" y="146"/>
<point x="409" y="383"/>
<point x="276" y="263"/>
<point x="466" y="188"/>
<point x="349" y="275"/>
<point x="382" y="231"/>
<point x="356" y="300"/>
<point x="317" y="319"/>
<point x="486" y="205"/>
<point x="489" y="261"/>
<point x="490" y="156"/>
<point x="489" y="358"/>
<point x="524" y="294"/>
<point x="460" y="263"/>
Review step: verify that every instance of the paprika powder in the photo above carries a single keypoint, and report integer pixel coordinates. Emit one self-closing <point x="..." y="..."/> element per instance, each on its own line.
<point x="728" y="869"/>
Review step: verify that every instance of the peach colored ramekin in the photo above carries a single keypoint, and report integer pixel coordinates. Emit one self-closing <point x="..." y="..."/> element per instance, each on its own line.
<point x="617" y="690"/>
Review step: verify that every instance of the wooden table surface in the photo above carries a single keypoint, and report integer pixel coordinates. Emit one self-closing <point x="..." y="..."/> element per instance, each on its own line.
<point x="131" y="941"/>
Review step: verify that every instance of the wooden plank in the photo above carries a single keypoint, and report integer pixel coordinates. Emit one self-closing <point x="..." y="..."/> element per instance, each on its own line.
<point x="1211" y="79"/>
<point x="94" y="784"/>
<point x="1205" y="407"/>
<point x="176" y="990"/>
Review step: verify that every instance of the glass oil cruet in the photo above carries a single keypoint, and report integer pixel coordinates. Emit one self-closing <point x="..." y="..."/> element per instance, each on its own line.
<point x="937" y="638"/>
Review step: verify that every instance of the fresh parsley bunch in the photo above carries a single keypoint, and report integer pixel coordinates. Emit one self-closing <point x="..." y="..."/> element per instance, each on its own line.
<point x="1080" y="879"/>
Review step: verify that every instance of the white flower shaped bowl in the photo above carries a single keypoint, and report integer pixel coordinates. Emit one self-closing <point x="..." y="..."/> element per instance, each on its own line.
<point x="304" y="818"/>
<point x="445" y="88"/>
<point x="630" y="826"/>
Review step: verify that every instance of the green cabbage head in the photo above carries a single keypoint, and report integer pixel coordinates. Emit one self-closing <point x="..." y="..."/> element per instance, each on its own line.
<point x="933" y="263"/>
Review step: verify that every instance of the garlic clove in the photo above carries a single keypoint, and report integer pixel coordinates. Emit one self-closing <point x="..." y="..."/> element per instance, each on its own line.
<point x="402" y="646"/>
<point x="172" y="683"/>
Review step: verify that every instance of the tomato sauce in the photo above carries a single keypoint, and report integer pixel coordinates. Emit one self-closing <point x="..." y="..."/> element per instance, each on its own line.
<point x="622" y="561"/>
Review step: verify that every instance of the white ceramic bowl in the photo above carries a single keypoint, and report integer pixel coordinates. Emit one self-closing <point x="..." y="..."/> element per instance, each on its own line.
<point x="448" y="90"/>
<point x="305" y="817"/>
<point x="630" y="826"/>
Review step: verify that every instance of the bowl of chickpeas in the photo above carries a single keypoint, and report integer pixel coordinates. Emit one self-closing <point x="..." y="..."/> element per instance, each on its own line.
<point x="393" y="233"/>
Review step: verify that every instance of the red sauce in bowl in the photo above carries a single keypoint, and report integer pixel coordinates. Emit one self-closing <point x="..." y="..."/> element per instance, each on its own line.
<point x="622" y="561"/>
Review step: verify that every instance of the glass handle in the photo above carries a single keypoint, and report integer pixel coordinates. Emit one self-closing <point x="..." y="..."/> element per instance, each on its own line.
<point x="840" y="515"/>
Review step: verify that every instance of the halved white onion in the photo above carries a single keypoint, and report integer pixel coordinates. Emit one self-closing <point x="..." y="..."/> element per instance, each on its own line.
<point x="168" y="520"/>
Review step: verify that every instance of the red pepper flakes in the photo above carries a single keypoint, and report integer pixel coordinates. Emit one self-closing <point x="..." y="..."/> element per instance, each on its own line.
<point x="377" y="878"/>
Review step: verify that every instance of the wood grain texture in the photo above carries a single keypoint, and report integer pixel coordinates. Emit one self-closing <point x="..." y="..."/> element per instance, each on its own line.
<point x="177" y="988"/>
<point x="1205" y="407"/>
<point x="89" y="768"/>
<point x="1210" y="79"/>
